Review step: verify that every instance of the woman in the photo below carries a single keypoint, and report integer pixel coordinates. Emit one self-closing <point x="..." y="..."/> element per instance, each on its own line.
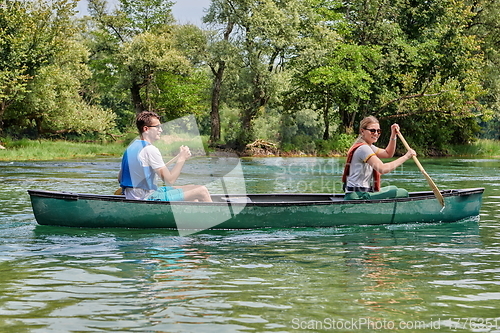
<point x="363" y="163"/>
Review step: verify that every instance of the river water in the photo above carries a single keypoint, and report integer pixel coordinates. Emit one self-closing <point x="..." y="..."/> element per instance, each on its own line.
<point x="411" y="278"/>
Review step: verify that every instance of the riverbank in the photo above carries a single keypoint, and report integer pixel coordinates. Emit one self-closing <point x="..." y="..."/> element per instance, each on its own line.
<point x="45" y="150"/>
<point x="482" y="147"/>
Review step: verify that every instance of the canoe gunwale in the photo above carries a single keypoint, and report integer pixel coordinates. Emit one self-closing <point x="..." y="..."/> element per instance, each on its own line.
<point x="333" y="199"/>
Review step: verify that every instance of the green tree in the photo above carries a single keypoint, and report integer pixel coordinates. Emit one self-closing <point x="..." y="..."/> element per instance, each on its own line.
<point x="47" y="69"/>
<point x="54" y="102"/>
<point x="267" y="35"/>
<point x="107" y="86"/>
<point x="485" y="27"/>
<point x="32" y="33"/>
<point x="131" y="17"/>
<point x="440" y="68"/>
<point x="345" y="81"/>
<point x="136" y="48"/>
<point x="133" y="44"/>
<point x="220" y="53"/>
<point x="429" y="67"/>
<point x="145" y="56"/>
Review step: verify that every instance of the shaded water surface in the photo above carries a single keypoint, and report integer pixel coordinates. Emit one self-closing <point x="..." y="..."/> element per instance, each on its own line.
<point x="414" y="278"/>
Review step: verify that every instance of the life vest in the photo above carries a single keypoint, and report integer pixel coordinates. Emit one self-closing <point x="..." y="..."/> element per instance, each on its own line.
<point x="347" y="168"/>
<point x="133" y="173"/>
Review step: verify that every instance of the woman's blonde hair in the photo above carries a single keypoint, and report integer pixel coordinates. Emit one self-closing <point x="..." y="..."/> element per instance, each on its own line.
<point x="367" y="121"/>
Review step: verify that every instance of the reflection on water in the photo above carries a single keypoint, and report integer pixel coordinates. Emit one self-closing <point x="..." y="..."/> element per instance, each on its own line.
<point x="291" y="280"/>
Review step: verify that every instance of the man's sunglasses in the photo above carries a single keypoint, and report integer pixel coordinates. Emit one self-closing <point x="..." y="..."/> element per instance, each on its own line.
<point x="157" y="126"/>
<point x="373" y="130"/>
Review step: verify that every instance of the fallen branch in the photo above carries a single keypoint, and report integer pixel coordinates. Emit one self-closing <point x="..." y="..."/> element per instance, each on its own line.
<point x="261" y="144"/>
<point x="261" y="148"/>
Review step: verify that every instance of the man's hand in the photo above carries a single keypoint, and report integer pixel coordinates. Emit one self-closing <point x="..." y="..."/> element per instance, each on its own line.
<point x="184" y="153"/>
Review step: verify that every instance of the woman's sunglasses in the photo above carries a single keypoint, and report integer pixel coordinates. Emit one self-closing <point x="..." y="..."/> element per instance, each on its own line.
<point x="373" y="130"/>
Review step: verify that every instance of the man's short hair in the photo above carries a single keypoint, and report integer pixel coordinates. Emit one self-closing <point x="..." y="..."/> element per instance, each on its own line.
<point x="144" y="119"/>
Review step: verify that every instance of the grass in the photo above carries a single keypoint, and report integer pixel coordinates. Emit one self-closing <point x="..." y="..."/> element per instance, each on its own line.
<point x="44" y="150"/>
<point x="482" y="147"/>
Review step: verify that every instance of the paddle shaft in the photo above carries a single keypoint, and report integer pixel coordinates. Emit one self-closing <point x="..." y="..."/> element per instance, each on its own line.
<point x="433" y="186"/>
<point x="172" y="160"/>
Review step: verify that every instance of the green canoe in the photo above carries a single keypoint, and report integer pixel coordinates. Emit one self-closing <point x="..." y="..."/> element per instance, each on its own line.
<point x="250" y="211"/>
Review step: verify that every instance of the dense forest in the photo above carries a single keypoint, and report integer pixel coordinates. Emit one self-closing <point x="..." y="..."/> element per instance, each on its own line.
<point x="298" y="73"/>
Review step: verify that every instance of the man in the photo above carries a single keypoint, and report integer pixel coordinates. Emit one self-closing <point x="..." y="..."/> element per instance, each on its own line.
<point x="142" y="163"/>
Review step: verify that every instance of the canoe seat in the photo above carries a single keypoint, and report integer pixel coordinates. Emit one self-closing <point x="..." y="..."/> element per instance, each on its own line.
<point x="237" y="199"/>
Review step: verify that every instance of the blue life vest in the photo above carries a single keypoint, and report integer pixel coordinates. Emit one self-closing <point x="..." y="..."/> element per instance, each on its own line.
<point x="133" y="173"/>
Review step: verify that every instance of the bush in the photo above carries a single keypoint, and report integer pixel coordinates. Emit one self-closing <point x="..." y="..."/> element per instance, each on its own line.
<point x="267" y="126"/>
<point x="481" y="147"/>
<point x="11" y="143"/>
<point x="230" y="125"/>
<point x="338" y="145"/>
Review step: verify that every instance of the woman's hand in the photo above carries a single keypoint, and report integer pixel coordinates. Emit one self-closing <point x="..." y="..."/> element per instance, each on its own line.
<point x="394" y="130"/>
<point x="410" y="153"/>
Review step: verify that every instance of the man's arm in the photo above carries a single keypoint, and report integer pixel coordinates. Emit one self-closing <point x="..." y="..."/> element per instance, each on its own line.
<point x="170" y="176"/>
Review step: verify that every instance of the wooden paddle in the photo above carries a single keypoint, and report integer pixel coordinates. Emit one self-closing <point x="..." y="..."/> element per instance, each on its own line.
<point x="119" y="191"/>
<point x="435" y="189"/>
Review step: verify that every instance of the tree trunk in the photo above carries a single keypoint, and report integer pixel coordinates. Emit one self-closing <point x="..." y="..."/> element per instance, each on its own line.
<point x="326" y="118"/>
<point x="216" y="91"/>
<point x="259" y="102"/>
<point x="246" y="133"/>
<point x="135" y="91"/>
<point x="39" y="127"/>
<point x="347" y="119"/>
<point x="3" y="106"/>
<point x="246" y="122"/>
<point x="214" y="112"/>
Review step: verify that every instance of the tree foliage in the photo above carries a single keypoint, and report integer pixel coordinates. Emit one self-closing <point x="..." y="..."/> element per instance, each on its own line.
<point x="137" y="48"/>
<point x="299" y="70"/>
<point x="54" y="103"/>
<point x="31" y="35"/>
<point x="401" y="61"/>
<point x="43" y="69"/>
<point x="266" y="36"/>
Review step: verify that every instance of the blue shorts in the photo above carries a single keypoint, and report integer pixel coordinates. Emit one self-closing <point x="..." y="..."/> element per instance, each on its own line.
<point x="167" y="193"/>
